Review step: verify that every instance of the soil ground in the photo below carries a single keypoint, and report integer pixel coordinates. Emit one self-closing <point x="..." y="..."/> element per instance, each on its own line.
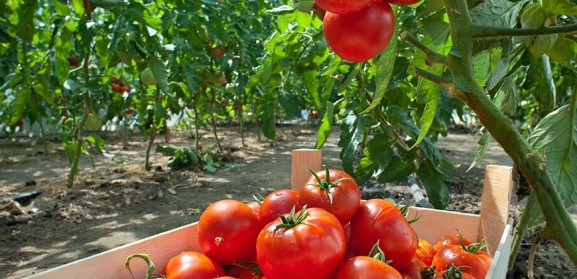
<point x="116" y="202"/>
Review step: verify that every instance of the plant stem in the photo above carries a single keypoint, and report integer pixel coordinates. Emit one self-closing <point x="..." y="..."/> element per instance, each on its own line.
<point x="493" y="32"/>
<point x="432" y="56"/>
<point x="559" y="226"/>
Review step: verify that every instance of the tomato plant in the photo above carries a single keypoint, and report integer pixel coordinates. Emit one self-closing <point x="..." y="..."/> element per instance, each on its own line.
<point x="380" y="220"/>
<point x="360" y="35"/>
<point x="333" y="190"/>
<point x="227" y="231"/>
<point x="192" y="265"/>
<point x="306" y="244"/>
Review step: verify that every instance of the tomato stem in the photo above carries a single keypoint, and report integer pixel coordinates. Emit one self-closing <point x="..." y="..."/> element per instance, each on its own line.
<point x="326" y="184"/>
<point x="291" y="220"/>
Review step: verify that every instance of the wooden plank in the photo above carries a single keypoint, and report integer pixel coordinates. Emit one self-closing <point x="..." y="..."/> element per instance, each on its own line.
<point x="497" y="188"/>
<point x="110" y="264"/>
<point x="303" y="160"/>
<point x="433" y="224"/>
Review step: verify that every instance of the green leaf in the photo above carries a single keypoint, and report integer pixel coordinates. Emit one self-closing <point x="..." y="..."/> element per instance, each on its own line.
<point x="497" y="13"/>
<point x="482" y="66"/>
<point x="22" y="94"/>
<point x="311" y="83"/>
<point x="397" y="169"/>
<point x="282" y="10"/>
<point x="352" y="130"/>
<point x="431" y="94"/>
<point x="564" y="52"/>
<point x="160" y="74"/>
<point x="267" y="108"/>
<point x="540" y="79"/>
<point x="559" y="7"/>
<point x="435" y="184"/>
<point x="326" y="125"/>
<point x="534" y="16"/>
<point x="376" y="157"/>
<point x="385" y="67"/>
<point x="556" y="138"/>
<point x="483" y="144"/>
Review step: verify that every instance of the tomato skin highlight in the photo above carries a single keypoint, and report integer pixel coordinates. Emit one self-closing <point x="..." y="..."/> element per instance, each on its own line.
<point x="277" y="203"/>
<point x="227" y="231"/>
<point x="381" y="220"/>
<point x="346" y="195"/>
<point x="361" y="35"/>
<point x="451" y="239"/>
<point x="342" y="6"/>
<point x="192" y="265"/>
<point x="425" y="252"/>
<point x="312" y="249"/>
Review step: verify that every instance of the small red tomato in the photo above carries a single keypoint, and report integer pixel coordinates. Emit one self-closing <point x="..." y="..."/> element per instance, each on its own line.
<point x="73" y="61"/>
<point x="279" y="202"/>
<point x="414" y="269"/>
<point x="333" y="190"/>
<point x="126" y="88"/>
<point x="367" y="268"/>
<point x="307" y="245"/>
<point x="218" y="52"/>
<point x="116" y="88"/>
<point x="192" y="265"/>
<point x="227" y="231"/>
<point x="425" y="252"/>
<point x="20" y="122"/>
<point x="382" y="221"/>
<point x="128" y="111"/>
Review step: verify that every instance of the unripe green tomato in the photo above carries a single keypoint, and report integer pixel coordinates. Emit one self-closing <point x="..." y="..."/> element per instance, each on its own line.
<point x="147" y="77"/>
<point x="93" y="122"/>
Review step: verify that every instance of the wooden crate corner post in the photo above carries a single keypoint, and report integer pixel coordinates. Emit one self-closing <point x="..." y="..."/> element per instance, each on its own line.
<point x="302" y="161"/>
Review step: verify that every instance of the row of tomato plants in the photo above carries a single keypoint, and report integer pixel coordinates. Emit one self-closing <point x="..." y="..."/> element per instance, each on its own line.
<point x="324" y="230"/>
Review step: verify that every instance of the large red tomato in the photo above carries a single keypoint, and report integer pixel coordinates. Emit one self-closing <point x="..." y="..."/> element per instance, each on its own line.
<point x="192" y="265"/>
<point x="367" y="268"/>
<point x="380" y="220"/>
<point x="451" y="239"/>
<point x="361" y="35"/>
<point x="333" y="190"/>
<point x="342" y="6"/>
<point x="475" y="261"/>
<point x="277" y="203"/>
<point x="414" y="269"/>
<point x="307" y="245"/>
<point x="227" y="231"/>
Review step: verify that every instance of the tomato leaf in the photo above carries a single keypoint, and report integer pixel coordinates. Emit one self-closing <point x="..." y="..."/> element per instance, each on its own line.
<point x="376" y="157"/>
<point x="556" y="138"/>
<point x="431" y="94"/>
<point x="559" y="7"/>
<point x="159" y="71"/>
<point x="326" y="125"/>
<point x="267" y="108"/>
<point x="435" y="184"/>
<point x="353" y="128"/>
<point x="397" y="169"/>
<point x="483" y="144"/>
<point x="497" y="13"/>
<point x="540" y="79"/>
<point x="385" y="67"/>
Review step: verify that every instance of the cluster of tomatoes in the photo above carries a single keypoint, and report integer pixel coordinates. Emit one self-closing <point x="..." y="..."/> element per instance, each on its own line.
<point x="118" y="86"/>
<point x="358" y="30"/>
<point x="322" y="231"/>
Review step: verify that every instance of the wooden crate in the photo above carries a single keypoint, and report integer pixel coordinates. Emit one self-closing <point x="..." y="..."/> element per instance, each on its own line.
<point x="492" y="225"/>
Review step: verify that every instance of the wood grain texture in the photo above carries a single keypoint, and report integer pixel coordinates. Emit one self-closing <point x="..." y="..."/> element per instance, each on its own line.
<point x="302" y="161"/>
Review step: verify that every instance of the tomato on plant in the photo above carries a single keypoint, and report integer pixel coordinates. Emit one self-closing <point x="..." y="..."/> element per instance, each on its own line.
<point x="309" y="244"/>
<point x="20" y="122"/>
<point x="117" y="88"/>
<point x="227" y="231"/>
<point x="381" y="220"/>
<point x="128" y="111"/>
<point x="333" y="190"/>
<point x="72" y="61"/>
<point x="192" y="265"/>
<point x="218" y="51"/>
<point x="361" y="35"/>
<point x="277" y="203"/>
<point x="342" y="6"/>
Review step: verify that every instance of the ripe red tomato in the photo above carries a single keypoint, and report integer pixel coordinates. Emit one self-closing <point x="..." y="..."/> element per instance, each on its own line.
<point x="452" y="239"/>
<point x="117" y="88"/>
<point x="73" y="61"/>
<point x="425" y="252"/>
<point x="361" y="35"/>
<point x="477" y="262"/>
<point x="333" y="190"/>
<point x="403" y="2"/>
<point x="309" y="245"/>
<point x="414" y="269"/>
<point x="126" y="88"/>
<point x="380" y="220"/>
<point x="277" y="203"/>
<point x="319" y="12"/>
<point x="20" y="122"/>
<point x="227" y="231"/>
<point x="255" y="206"/>
<point x="366" y="267"/>
<point x="342" y="6"/>
<point x="192" y="265"/>
<point x="218" y="52"/>
<point x="128" y="111"/>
